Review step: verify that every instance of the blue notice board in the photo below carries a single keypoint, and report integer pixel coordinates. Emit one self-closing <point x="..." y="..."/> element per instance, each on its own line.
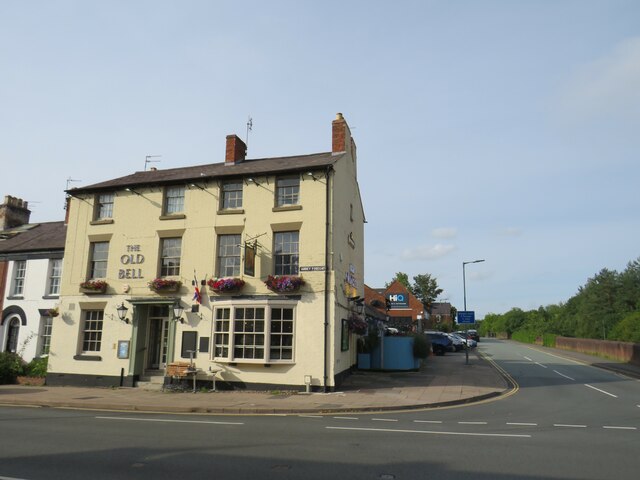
<point x="467" y="317"/>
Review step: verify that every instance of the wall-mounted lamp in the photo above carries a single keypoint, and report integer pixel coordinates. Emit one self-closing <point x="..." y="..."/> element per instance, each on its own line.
<point x="122" y="312"/>
<point x="310" y="174"/>
<point x="177" y="312"/>
<point x="358" y="303"/>
<point x="252" y="180"/>
<point x="129" y="189"/>
<point x="193" y="185"/>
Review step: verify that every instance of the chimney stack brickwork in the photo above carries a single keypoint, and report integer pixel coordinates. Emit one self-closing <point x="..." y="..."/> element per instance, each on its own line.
<point x="341" y="135"/>
<point x="236" y="150"/>
<point x="13" y="213"/>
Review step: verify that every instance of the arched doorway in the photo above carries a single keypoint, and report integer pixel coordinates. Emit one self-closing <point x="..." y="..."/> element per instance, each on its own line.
<point x="12" y="335"/>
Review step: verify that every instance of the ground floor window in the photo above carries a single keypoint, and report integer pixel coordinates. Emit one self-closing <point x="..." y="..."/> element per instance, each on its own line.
<point x="92" y="330"/>
<point x="261" y="334"/>
<point x="45" y="336"/>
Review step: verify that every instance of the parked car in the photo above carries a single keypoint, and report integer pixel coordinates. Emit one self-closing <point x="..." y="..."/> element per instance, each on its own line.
<point x="458" y="343"/>
<point x="470" y="342"/>
<point x="440" y="343"/>
<point x="474" y="334"/>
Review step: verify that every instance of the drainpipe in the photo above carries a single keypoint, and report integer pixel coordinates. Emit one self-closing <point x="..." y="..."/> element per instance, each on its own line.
<point x="327" y="297"/>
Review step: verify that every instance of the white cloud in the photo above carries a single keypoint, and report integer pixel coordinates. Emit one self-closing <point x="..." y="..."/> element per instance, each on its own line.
<point x="427" y="252"/>
<point x="606" y="86"/>
<point x="444" y="232"/>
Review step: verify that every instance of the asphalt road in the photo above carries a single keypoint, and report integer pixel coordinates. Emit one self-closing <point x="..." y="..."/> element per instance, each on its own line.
<point x="566" y="421"/>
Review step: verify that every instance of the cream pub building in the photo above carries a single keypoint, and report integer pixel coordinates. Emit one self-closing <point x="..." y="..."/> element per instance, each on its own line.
<point x="249" y="267"/>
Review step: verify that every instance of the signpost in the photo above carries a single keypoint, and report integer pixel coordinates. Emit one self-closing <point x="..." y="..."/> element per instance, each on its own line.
<point x="467" y="317"/>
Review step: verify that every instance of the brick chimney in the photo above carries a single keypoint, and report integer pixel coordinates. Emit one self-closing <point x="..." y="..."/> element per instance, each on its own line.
<point x="341" y="135"/>
<point x="13" y="213"/>
<point x="236" y="150"/>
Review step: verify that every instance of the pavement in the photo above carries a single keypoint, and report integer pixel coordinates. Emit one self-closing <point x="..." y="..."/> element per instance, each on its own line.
<point x="441" y="382"/>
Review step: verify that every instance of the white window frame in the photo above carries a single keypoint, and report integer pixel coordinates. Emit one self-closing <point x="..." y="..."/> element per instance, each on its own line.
<point x="232" y="196"/>
<point x="174" y="200"/>
<point x="55" y="277"/>
<point x="92" y="329"/>
<point x="288" y="191"/>
<point x="45" y="336"/>
<point x="229" y="255"/>
<point x="98" y="265"/>
<point x="226" y="338"/>
<point x="285" y="249"/>
<point x="104" y="206"/>
<point x="19" y="277"/>
<point x="170" y="270"/>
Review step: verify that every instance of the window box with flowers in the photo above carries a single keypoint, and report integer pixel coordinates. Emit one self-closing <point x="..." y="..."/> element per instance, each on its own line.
<point x="92" y="287"/>
<point x="284" y="283"/>
<point x="225" y="285"/>
<point x="164" y="285"/>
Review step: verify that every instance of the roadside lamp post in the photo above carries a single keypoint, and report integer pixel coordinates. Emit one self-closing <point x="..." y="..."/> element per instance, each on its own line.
<point x="464" y="289"/>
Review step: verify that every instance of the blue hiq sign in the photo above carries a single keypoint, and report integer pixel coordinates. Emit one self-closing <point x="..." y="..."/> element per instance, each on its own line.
<point x="398" y="300"/>
<point x="467" y="317"/>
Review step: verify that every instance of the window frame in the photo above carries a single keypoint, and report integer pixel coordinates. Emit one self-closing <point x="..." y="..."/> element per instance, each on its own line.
<point x="54" y="278"/>
<point x="173" y="204"/>
<point x="292" y="267"/>
<point x="92" y="337"/>
<point x="287" y="195"/>
<point x="168" y="270"/>
<point x="230" y="195"/>
<point x="104" y="203"/>
<point x="19" y="278"/>
<point x="45" y="336"/>
<point x="95" y="265"/>
<point x="222" y="255"/>
<point x="227" y="337"/>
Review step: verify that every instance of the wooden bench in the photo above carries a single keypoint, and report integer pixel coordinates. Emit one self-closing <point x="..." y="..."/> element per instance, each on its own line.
<point x="182" y="370"/>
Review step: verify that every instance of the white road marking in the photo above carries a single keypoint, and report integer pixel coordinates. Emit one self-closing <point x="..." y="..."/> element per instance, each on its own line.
<point x="472" y="423"/>
<point x="527" y="358"/>
<point x="346" y="418"/>
<point x="619" y="428"/>
<point x="565" y="376"/>
<point x="160" y="420"/>
<point x="11" y="478"/>
<point x="568" y="426"/>
<point x="429" y="432"/>
<point x="523" y="424"/>
<point x="601" y="391"/>
<point x="435" y="421"/>
<point x="311" y="416"/>
<point x="384" y="420"/>
<point x="541" y="365"/>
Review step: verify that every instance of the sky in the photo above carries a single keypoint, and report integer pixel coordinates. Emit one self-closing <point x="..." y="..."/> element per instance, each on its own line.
<point x="506" y="131"/>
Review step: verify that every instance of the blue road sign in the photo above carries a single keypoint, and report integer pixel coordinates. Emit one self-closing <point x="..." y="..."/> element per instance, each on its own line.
<point x="467" y="317"/>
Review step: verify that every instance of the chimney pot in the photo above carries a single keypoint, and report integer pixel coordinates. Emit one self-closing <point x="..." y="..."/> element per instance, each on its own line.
<point x="13" y="213"/>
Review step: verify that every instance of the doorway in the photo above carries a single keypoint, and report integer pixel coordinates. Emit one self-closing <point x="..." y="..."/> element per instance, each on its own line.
<point x="158" y="337"/>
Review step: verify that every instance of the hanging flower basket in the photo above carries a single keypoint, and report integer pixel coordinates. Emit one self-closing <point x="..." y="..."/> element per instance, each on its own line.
<point x="93" y="286"/>
<point x="284" y="283"/>
<point x="53" y="312"/>
<point x="357" y="325"/>
<point x="225" y="285"/>
<point x="164" y="285"/>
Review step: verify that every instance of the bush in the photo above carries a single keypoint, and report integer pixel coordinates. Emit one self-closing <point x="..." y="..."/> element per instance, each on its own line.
<point x="549" y="340"/>
<point x="11" y="365"/>
<point x="421" y="346"/>
<point x="37" y="367"/>
<point x="524" y="336"/>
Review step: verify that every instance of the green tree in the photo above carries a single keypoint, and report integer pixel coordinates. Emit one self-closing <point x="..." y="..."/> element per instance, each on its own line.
<point x="425" y="288"/>
<point x="401" y="277"/>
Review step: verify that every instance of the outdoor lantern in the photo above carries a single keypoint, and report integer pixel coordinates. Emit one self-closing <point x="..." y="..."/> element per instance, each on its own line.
<point x="122" y="312"/>
<point x="177" y="312"/>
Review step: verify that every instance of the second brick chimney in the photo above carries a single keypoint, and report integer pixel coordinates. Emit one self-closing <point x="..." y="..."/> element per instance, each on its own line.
<point x="236" y="150"/>
<point x="13" y="213"/>
<point x="341" y="135"/>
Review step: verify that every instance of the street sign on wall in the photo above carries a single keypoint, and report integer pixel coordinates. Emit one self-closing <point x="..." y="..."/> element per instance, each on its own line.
<point x="466" y="317"/>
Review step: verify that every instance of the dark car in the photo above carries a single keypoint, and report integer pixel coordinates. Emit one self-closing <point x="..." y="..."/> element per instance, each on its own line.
<point x="474" y="334"/>
<point x="440" y="343"/>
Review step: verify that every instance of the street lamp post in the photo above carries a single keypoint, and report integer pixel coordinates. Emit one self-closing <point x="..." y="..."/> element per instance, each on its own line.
<point x="464" y="289"/>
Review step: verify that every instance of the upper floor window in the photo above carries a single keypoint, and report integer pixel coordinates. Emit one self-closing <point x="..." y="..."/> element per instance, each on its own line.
<point x="287" y="191"/>
<point x="171" y="249"/>
<point x="231" y="195"/>
<point x="286" y="253"/>
<point x="173" y="200"/>
<point x="19" y="273"/>
<point x="55" y="273"/>
<point x="104" y="206"/>
<point x="92" y="330"/>
<point x="228" y="255"/>
<point x="99" y="258"/>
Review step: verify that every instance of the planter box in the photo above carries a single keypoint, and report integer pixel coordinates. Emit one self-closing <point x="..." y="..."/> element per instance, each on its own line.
<point x="90" y="291"/>
<point x="31" y="381"/>
<point x="171" y="289"/>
